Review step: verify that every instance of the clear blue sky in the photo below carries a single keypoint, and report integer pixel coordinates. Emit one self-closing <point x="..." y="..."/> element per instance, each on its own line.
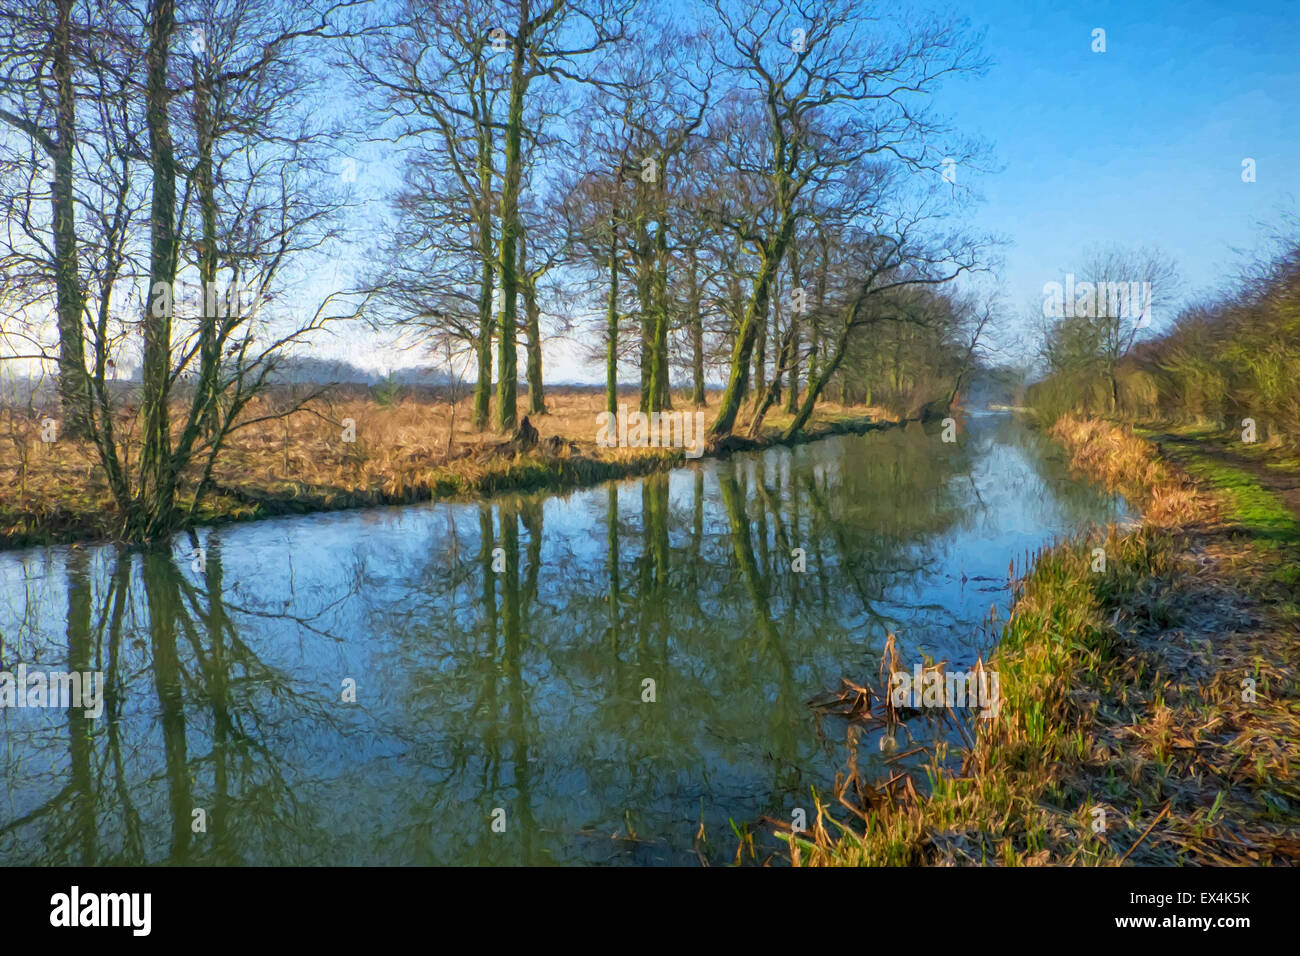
<point x="1142" y="144"/>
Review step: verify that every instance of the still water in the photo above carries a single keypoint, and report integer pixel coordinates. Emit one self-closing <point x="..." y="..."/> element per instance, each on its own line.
<point x="501" y="654"/>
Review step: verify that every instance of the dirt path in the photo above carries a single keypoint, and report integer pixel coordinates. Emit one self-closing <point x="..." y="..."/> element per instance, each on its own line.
<point x="1180" y="449"/>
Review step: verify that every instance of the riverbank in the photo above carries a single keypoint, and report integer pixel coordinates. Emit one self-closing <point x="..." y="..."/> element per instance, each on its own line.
<point x="351" y="449"/>
<point x="1149" y="712"/>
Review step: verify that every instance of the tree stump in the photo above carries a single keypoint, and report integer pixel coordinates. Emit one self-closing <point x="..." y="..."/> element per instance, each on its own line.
<point x="525" y="436"/>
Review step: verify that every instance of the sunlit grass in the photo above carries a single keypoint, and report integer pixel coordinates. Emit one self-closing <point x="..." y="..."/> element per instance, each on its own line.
<point x="409" y="446"/>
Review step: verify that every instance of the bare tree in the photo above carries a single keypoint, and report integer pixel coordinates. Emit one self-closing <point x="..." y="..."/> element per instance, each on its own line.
<point x="434" y="70"/>
<point x="546" y="39"/>
<point x="830" y="90"/>
<point x="38" y="99"/>
<point x="1129" y="286"/>
<point x="195" y="112"/>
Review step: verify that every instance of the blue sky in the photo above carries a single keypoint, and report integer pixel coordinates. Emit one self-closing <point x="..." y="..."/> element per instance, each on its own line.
<point x="1141" y="145"/>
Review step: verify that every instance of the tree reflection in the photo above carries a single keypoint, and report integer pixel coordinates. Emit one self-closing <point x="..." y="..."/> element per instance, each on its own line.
<point x="501" y="648"/>
<point x="182" y="693"/>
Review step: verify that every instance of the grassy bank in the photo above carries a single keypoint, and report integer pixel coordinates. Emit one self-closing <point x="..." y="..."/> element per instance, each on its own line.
<point x="405" y="449"/>
<point x="1128" y="731"/>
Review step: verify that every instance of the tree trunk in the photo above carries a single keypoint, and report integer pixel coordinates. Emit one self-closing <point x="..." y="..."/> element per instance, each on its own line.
<point x="74" y="384"/>
<point x="818" y="382"/>
<point x="486" y="329"/>
<point x="796" y="284"/>
<point x="697" y="330"/>
<point x="209" y="385"/>
<point x="533" y="333"/>
<point x="772" y="394"/>
<point x="660" y="397"/>
<point x="644" y="295"/>
<point x="486" y="320"/>
<point x="611" y="337"/>
<point x="157" y="481"/>
<point x="508" y="359"/>
<point x="760" y="344"/>
<point x="755" y="312"/>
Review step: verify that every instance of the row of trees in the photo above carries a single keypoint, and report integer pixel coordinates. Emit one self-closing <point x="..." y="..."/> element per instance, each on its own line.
<point x="1231" y="358"/>
<point x="754" y="188"/>
<point x="750" y="188"/>
<point x="1219" y="361"/>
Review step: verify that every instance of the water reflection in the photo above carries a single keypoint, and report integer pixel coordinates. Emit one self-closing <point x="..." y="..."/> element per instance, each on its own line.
<point x="502" y="655"/>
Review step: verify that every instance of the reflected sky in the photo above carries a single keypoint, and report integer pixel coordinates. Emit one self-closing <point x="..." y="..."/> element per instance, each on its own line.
<point x="500" y="653"/>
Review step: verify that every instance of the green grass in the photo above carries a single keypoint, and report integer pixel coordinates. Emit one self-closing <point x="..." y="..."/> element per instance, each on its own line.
<point x="1254" y="509"/>
<point x="1097" y="706"/>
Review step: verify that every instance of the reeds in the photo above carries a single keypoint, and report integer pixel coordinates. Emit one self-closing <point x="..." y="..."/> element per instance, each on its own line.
<point x="408" y="447"/>
<point x="1125" y="734"/>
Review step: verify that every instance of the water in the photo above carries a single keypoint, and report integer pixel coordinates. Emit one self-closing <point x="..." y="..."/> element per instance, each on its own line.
<point x="500" y="653"/>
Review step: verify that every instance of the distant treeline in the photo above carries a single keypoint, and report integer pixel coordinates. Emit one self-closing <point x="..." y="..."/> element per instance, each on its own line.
<point x="289" y="371"/>
<point x="1233" y="358"/>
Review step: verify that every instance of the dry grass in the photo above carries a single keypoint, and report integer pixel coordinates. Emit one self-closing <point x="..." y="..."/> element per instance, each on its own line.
<point x="416" y="447"/>
<point x="1126" y="464"/>
<point x="1122" y="692"/>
